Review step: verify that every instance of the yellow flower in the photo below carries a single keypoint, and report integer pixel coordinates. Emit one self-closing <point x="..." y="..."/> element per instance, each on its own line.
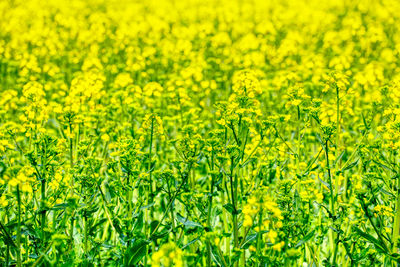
<point x="167" y="255"/>
<point x="278" y="247"/>
<point x="3" y="201"/>
<point x="272" y="235"/>
<point x="105" y="137"/>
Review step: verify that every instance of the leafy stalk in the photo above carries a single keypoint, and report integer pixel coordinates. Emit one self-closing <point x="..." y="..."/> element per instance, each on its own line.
<point x="19" y="260"/>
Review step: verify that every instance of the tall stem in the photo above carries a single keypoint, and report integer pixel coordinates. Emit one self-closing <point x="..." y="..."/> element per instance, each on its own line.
<point x="233" y="182"/>
<point x="259" y="237"/>
<point x="149" y="214"/>
<point x="210" y="198"/>
<point x="149" y="166"/>
<point x="86" y="234"/>
<point x="19" y="261"/>
<point x="330" y="179"/>
<point x="71" y="160"/>
<point x="334" y="242"/>
<point x="43" y="211"/>
<point x="337" y="135"/>
<point x="129" y="195"/>
<point x="71" y="153"/>
<point x="396" y="225"/>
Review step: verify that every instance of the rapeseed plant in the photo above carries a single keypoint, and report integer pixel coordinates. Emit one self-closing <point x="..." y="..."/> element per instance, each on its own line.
<point x="199" y="133"/>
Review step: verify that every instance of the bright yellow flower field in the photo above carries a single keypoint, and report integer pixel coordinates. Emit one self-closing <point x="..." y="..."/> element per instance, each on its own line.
<point x="199" y="133"/>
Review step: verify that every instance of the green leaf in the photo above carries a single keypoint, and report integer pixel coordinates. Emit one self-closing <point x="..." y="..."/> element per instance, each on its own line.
<point x="3" y="168"/>
<point x="326" y="209"/>
<point x="338" y="158"/>
<point x="135" y="253"/>
<point x="361" y="255"/>
<point x="147" y="206"/>
<point x="324" y="183"/>
<point x="61" y="206"/>
<point x="378" y="244"/>
<point x="305" y="238"/>
<point x="385" y="166"/>
<point x="153" y="225"/>
<point x="230" y="208"/>
<point x="6" y="236"/>
<point x="318" y="136"/>
<point x="365" y="122"/>
<point x="138" y="226"/>
<point x="351" y="165"/>
<point x="249" y="240"/>
<point x="93" y="228"/>
<point x="387" y="192"/>
<point x="187" y="223"/>
<point x="191" y="242"/>
<point x="217" y="258"/>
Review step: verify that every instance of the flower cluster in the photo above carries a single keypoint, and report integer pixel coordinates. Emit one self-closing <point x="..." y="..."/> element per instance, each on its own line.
<point x="168" y="255"/>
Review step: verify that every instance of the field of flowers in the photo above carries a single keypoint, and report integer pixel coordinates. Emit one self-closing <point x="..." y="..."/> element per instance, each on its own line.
<point x="199" y="133"/>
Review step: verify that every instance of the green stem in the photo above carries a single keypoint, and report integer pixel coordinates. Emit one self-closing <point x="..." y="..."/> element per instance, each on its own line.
<point x="209" y="260"/>
<point x="149" y="215"/>
<point x="259" y="238"/>
<point x="43" y="209"/>
<point x="233" y="183"/>
<point x="38" y="261"/>
<point x="71" y="160"/>
<point x="298" y="137"/>
<point x="337" y="136"/>
<point x="130" y="195"/>
<point x="396" y="225"/>
<point x="86" y="235"/>
<point x="330" y="179"/>
<point x="185" y="178"/>
<point x="149" y="167"/>
<point x="19" y="261"/>
<point x="7" y="255"/>
<point x="334" y="243"/>
<point x="210" y="199"/>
